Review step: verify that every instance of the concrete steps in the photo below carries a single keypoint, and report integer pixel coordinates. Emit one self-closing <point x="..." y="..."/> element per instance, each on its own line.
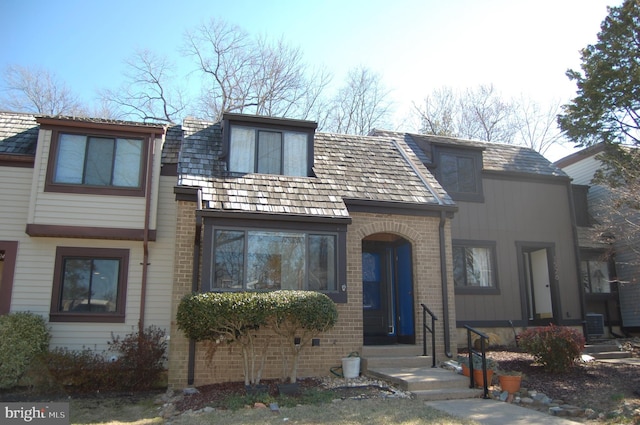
<point x="405" y="367"/>
<point x="606" y="350"/>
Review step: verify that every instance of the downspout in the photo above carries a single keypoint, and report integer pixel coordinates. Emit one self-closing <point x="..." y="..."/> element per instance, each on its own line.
<point x="145" y="235"/>
<point x="443" y="257"/>
<point x="445" y="291"/>
<point x="576" y="250"/>
<point x="195" y="278"/>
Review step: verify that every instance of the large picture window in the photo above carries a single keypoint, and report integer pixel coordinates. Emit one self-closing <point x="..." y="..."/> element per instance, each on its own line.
<point x="271" y="260"/>
<point x="474" y="266"/>
<point x="89" y="285"/>
<point x="254" y="150"/>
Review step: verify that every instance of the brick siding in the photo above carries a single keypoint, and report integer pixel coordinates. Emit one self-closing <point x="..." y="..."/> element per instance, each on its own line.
<point x="223" y="363"/>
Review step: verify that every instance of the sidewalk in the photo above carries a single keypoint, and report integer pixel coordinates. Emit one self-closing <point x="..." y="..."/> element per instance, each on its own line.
<point x="494" y="412"/>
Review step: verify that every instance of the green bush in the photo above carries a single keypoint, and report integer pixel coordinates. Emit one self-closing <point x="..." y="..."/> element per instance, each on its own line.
<point x="299" y="316"/>
<point x="23" y="336"/>
<point x="235" y="316"/>
<point x="557" y="348"/>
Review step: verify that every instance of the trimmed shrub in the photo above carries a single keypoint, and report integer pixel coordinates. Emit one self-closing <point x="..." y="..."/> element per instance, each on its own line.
<point x="298" y="316"/>
<point x="557" y="348"/>
<point x="231" y="317"/>
<point x="234" y="317"/>
<point x="23" y="336"/>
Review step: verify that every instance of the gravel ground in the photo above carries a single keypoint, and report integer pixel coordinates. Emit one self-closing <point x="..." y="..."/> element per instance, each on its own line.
<point x="610" y="389"/>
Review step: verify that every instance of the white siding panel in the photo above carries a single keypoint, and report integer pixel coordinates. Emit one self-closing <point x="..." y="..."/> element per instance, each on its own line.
<point x="68" y="209"/>
<point x="35" y="262"/>
<point x="582" y="172"/>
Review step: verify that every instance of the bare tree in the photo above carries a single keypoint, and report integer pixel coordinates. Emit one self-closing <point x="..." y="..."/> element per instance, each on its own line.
<point x="247" y="75"/>
<point x="39" y="91"/>
<point x="361" y="104"/>
<point x="150" y="91"/>
<point x="537" y="126"/>
<point x="438" y="113"/>
<point x="482" y="114"/>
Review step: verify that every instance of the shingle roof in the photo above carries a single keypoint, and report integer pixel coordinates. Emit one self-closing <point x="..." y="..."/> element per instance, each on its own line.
<point x="346" y="167"/>
<point x="18" y="133"/>
<point x="496" y="156"/>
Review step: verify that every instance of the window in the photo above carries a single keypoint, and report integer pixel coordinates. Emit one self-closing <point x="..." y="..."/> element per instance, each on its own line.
<point x="595" y="276"/>
<point x="458" y="172"/>
<point x="97" y="163"/>
<point x="474" y="266"/>
<point x="89" y="285"/>
<point x="271" y="260"/>
<point x="268" y="151"/>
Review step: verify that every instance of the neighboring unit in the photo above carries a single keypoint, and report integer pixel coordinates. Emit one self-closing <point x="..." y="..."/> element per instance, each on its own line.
<point x="609" y="269"/>
<point x="82" y="241"/>
<point x="514" y="252"/>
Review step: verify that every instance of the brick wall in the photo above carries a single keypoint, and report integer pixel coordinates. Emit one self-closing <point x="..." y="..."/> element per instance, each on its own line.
<point x="221" y="363"/>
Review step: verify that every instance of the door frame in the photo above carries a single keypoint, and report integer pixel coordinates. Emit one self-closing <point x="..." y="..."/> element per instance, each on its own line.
<point x="527" y="309"/>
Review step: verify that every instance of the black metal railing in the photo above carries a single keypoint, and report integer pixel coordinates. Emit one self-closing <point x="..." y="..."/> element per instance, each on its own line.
<point x="484" y="339"/>
<point x="431" y="329"/>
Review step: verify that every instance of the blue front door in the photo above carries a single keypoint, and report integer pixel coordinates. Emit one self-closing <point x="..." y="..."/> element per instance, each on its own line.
<point x="387" y="293"/>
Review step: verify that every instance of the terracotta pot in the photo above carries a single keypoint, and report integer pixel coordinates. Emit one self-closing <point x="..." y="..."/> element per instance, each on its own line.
<point x="465" y="370"/>
<point x="477" y="375"/>
<point x="510" y="384"/>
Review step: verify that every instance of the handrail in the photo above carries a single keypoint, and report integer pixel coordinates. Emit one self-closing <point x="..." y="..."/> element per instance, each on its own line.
<point x="426" y="328"/>
<point x="483" y="353"/>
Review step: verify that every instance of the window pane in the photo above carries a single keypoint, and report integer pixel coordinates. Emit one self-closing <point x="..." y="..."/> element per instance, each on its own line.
<point x="466" y="175"/>
<point x="269" y="152"/>
<point x="322" y="263"/>
<point x="275" y="260"/>
<point x="70" y="160"/>
<point x="478" y="261"/>
<point x="99" y="161"/>
<point x="76" y="284"/>
<point x="295" y="154"/>
<point x="449" y="172"/>
<point x="595" y="276"/>
<point x="126" y="167"/>
<point x="229" y="259"/>
<point x="90" y="285"/>
<point x="458" y="266"/>
<point x="242" y="150"/>
<point x="104" y="285"/>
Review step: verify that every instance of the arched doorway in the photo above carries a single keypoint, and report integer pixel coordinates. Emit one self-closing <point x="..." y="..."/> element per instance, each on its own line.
<point x="387" y="290"/>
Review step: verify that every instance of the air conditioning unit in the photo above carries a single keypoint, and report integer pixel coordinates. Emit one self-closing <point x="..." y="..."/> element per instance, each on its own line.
<point x="595" y="324"/>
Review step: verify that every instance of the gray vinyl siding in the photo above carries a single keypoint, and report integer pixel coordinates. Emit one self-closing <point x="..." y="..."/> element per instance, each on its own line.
<point x="518" y="211"/>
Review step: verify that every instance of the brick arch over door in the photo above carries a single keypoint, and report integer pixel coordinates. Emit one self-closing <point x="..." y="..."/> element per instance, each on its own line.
<point x="388" y="226"/>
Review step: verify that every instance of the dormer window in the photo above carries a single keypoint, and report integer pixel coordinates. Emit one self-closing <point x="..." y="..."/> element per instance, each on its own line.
<point x="269" y="145"/>
<point x="459" y="173"/>
<point x="98" y="157"/>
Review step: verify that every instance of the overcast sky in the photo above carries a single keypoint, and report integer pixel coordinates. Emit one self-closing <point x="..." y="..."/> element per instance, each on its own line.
<point x="522" y="47"/>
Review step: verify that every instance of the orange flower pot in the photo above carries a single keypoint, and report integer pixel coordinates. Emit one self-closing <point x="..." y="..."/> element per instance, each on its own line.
<point x="477" y="375"/>
<point x="510" y="384"/>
